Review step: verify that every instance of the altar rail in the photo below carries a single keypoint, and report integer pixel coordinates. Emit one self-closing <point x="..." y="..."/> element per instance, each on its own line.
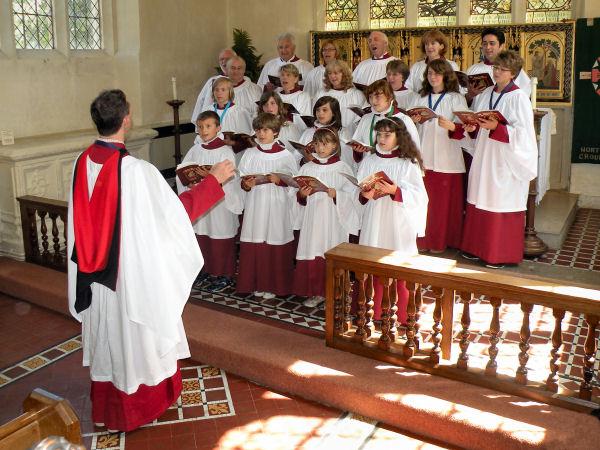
<point x="351" y="266"/>
<point x="37" y="213"/>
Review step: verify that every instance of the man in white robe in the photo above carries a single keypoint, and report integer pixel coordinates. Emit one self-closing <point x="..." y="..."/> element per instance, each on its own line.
<point x="373" y="69"/>
<point x="246" y="92"/>
<point x="286" y="48"/>
<point x="132" y="260"/>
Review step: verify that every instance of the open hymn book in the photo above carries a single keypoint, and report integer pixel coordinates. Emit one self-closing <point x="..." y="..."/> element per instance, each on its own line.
<point x="471" y="118"/>
<point x="191" y="173"/>
<point x="369" y="182"/>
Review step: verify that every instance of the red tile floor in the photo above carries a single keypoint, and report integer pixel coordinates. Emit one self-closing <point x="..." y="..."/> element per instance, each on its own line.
<point x="217" y="410"/>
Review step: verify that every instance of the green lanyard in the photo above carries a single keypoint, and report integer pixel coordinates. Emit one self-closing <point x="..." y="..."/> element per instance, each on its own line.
<point x="371" y="137"/>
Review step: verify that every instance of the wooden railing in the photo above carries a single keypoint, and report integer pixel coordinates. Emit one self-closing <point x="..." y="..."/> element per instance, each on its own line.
<point x="350" y="276"/>
<point x="39" y="216"/>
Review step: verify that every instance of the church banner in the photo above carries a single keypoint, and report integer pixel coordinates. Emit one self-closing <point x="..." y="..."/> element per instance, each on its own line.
<point x="586" y="119"/>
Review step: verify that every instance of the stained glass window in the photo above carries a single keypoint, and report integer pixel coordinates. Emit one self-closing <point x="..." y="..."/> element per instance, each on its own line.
<point x="490" y="11"/>
<point x="341" y="15"/>
<point x="84" y="25"/>
<point x="548" y="10"/>
<point x="437" y="13"/>
<point x="387" y="13"/>
<point x="33" y="24"/>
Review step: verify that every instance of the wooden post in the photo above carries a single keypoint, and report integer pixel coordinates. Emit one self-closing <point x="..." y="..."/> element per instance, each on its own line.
<point x="175" y="104"/>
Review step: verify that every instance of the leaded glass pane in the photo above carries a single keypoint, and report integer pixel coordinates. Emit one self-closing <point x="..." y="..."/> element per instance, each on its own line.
<point x="490" y="11"/>
<point x="387" y="13"/>
<point x="437" y="13"/>
<point x="341" y="15"/>
<point x="548" y="10"/>
<point x="34" y="28"/>
<point x="85" y="32"/>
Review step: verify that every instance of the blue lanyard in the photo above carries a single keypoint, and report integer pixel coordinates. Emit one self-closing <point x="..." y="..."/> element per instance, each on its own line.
<point x="437" y="102"/>
<point x="504" y="91"/>
<point x="222" y="116"/>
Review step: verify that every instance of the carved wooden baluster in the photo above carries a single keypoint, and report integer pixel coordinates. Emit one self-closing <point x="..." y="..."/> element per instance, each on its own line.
<point x="384" y="339"/>
<point x="418" y="304"/>
<point x="57" y="257"/>
<point x="492" y="365"/>
<point x="590" y="347"/>
<point x="369" y="293"/>
<point x="393" y="311"/>
<point x="521" y="376"/>
<point x="436" y="336"/>
<point x="360" y="334"/>
<point x="347" y="296"/>
<point x="410" y="344"/>
<point x="33" y="237"/>
<point x="465" y="321"/>
<point x="44" y="233"/>
<point x="64" y="221"/>
<point x="552" y="381"/>
<point x="338" y="306"/>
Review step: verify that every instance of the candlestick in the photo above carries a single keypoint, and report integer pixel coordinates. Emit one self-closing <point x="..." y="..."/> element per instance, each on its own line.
<point x="534" y="83"/>
<point x="174" y="83"/>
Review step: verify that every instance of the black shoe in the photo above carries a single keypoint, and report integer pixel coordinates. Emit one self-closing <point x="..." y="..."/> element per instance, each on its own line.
<point x="469" y="256"/>
<point x="494" y="266"/>
<point x="201" y="278"/>
<point x="219" y="284"/>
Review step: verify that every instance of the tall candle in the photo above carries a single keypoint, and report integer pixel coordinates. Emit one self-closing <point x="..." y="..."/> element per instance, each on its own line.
<point x="174" y="83"/>
<point x="534" y="83"/>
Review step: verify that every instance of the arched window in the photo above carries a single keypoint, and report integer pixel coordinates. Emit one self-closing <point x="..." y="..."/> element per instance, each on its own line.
<point x="34" y="28"/>
<point x="548" y="10"/>
<point x="490" y="11"/>
<point x="85" y="31"/>
<point x="387" y="14"/>
<point x="436" y="13"/>
<point x="341" y="15"/>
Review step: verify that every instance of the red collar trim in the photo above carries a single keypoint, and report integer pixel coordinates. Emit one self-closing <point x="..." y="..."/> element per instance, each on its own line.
<point x="512" y="88"/>
<point x="487" y="62"/>
<point x="276" y="148"/>
<point x="394" y="154"/>
<point x="240" y="83"/>
<point x="331" y="160"/>
<point x="221" y="109"/>
<point x="294" y="59"/>
<point x="214" y="144"/>
<point x="298" y="88"/>
<point x="386" y="55"/>
<point x="403" y="88"/>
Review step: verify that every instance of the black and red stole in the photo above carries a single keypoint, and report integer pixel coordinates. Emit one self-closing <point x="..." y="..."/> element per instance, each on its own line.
<point x="97" y="220"/>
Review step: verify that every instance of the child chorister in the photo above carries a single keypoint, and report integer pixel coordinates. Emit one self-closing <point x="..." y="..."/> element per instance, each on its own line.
<point x="216" y="230"/>
<point x="270" y="102"/>
<point x="394" y="220"/>
<point x="396" y="74"/>
<point x="325" y="219"/>
<point x="442" y="158"/>
<point x="267" y="245"/>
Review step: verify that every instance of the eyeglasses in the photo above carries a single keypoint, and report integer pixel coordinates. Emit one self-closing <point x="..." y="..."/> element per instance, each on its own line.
<point x="501" y="69"/>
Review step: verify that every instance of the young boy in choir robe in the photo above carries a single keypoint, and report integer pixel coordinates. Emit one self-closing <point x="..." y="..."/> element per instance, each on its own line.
<point x="291" y="92"/>
<point x="504" y="162"/>
<point x="270" y="102"/>
<point x="216" y="230"/>
<point x="395" y="219"/>
<point x="396" y="74"/>
<point x="434" y="44"/>
<point x="267" y="246"/>
<point x="338" y="84"/>
<point x="314" y="81"/>
<point x="132" y="259"/>
<point x="383" y="104"/>
<point x="325" y="219"/>
<point x="442" y="157"/>
<point x="231" y="116"/>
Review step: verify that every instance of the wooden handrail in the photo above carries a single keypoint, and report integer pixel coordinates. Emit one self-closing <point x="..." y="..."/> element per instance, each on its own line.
<point x="450" y="281"/>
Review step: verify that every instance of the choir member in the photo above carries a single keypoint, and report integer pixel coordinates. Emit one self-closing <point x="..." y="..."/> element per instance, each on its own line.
<point x="216" y="230"/>
<point x="442" y="157"/>
<point x="325" y="219"/>
<point x="434" y="44"/>
<point x="270" y="102"/>
<point x="396" y="74"/>
<point x="373" y="69"/>
<point x="132" y="259"/>
<point x="286" y="48"/>
<point x="267" y="246"/>
<point x="493" y="42"/>
<point x="504" y="162"/>
<point x="245" y="91"/>
<point x="314" y="81"/>
<point x="292" y="93"/>
<point x="338" y="84"/>
<point x="395" y="213"/>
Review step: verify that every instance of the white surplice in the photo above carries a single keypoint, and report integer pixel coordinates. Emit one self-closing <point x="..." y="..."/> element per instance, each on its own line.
<point x="347" y="98"/>
<point x="272" y="68"/>
<point x="246" y="95"/>
<point x="417" y="74"/>
<point x="522" y="80"/>
<point x="290" y="132"/>
<point x="406" y="98"/>
<point x="314" y="81"/>
<point x="371" y="70"/>
<point x="344" y="136"/>
<point x="135" y="335"/>
<point x="365" y="131"/>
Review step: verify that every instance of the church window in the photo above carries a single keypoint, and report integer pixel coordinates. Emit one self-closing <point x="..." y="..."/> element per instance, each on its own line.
<point x="548" y="10"/>
<point x="436" y="13"/>
<point x="33" y="24"/>
<point x="85" y="31"/>
<point x="341" y="15"/>
<point x="490" y="11"/>
<point x="387" y="13"/>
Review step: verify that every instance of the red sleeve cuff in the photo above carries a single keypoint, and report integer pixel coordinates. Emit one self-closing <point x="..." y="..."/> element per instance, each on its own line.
<point x="458" y="133"/>
<point x="358" y="156"/>
<point x="300" y="199"/>
<point x="500" y="133"/>
<point x="397" y="197"/>
<point x="361" y="199"/>
<point x="202" y="197"/>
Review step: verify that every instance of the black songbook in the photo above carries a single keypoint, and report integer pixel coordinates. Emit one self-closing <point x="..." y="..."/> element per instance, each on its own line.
<point x="360" y="111"/>
<point x="275" y="81"/>
<point x="309" y="121"/>
<point x="463" y="78"/>
<point x="302" y="149"/>
<point x="291" y="109"/>
<point x="360" y="87"/>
